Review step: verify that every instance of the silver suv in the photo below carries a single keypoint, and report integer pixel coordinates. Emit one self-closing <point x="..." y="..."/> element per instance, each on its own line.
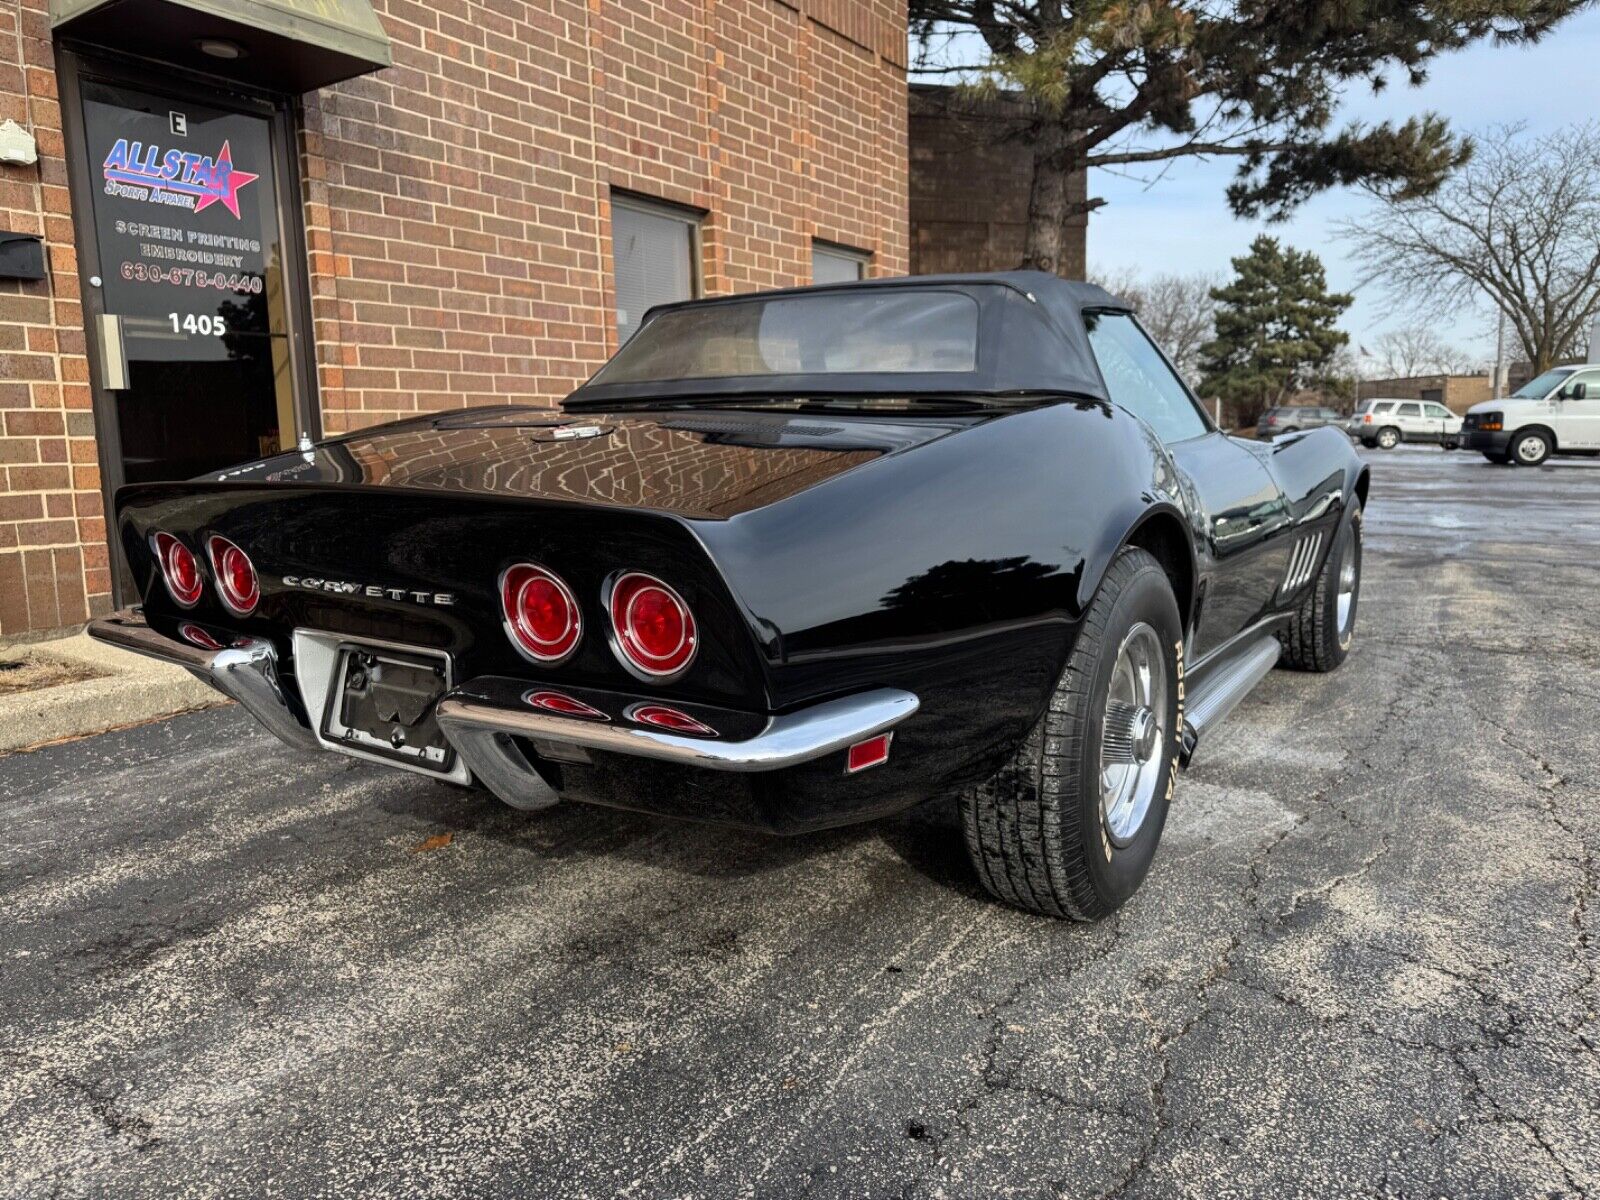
<point x="1292" y="418"/>
<point x="1387" y="423"/>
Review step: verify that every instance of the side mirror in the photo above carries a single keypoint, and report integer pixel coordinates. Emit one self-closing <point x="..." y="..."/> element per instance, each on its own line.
<point x="1580" y="391"/>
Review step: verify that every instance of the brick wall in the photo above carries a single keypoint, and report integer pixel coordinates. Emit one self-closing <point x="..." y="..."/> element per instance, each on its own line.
<point x="53" y="565"/>
<point x="970" y="179"/>
<point x="458" y="204"/>
<point x="458" y="220"/>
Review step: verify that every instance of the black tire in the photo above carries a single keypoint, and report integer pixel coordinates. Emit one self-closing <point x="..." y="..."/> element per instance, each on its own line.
<point x="1314" y="639"/>
<point x="1498" y="459"/>
<point x="1285" y="432"/>
<point x="1530" y="448"/>
<point x="1035" y="832"/>
<point x="1388" y="438"/>
<point x="1369" y="443"/>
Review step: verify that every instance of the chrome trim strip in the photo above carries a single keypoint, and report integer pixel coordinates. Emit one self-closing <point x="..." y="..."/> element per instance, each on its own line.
<point x="1207" y="705"/>
<point x="786" y="741"/>
<point x="1219" y="653"/>
<point x="247" y="671"/>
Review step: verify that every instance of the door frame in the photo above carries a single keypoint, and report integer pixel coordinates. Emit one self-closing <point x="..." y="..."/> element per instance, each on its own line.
<point x="74" y="63"/>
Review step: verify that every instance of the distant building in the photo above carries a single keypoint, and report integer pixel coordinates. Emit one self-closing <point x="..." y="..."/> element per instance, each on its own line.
<point x="971" y="173"/>
<point x="1456" y="392"/>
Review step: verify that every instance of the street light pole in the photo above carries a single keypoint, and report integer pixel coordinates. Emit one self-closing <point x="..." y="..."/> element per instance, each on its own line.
<point x="1499" y="352"/>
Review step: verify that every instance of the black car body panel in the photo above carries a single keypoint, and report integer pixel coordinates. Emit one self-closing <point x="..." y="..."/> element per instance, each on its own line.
<point x="946" y="552"/>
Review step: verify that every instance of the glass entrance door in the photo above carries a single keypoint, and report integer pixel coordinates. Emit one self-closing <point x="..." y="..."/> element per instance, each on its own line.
<point x="188" y="293"/>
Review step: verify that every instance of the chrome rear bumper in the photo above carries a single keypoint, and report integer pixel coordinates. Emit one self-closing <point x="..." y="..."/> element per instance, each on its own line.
<point x="482" y="717"/>
<point x="246" y="671"/>
<point x="482" y="731"/>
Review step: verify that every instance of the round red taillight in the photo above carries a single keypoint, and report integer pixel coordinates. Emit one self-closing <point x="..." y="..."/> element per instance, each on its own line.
<point x="653" y="629"/>
<point x="179" y="568"/>
<point x="542" y="617"/>
<point x="236" y="576"/>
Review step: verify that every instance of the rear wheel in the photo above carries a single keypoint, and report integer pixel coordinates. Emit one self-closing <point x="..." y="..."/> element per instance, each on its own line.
<point x="1069" y="826"/>
<point x="1388" y="437"/>
<point x="1319" y="635"/>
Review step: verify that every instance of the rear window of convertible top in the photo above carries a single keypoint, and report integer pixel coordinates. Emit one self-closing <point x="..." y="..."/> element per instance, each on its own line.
<point x="893" y="331"/>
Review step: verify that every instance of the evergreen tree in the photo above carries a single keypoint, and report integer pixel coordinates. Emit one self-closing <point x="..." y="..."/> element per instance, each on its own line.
<point x="1110" y="83"/>
<point x="1275" y="329"/>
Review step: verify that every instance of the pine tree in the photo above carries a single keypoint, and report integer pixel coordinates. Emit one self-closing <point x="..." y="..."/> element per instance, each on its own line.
<point x="1110" y="83"/>
<point x="1275" y="329"/>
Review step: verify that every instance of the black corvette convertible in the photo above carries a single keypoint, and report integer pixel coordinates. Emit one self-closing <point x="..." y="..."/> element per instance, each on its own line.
<point x="788" y="560"/>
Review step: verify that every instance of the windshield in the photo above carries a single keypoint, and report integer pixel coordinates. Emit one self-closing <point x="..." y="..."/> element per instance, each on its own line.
<point x="1540" y="387"/>
<point x="894" y="331"/>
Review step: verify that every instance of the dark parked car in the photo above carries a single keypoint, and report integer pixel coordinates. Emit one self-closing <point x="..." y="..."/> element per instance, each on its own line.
<point x="789" y="561"/>
<point x="1295" y="417"/>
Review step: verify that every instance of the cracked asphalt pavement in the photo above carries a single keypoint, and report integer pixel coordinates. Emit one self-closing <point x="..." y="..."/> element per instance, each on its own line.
<point x="1364" y="963"/>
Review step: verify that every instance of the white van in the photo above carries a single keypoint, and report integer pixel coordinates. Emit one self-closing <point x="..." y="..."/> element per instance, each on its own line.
<point x="1557" y="413"/>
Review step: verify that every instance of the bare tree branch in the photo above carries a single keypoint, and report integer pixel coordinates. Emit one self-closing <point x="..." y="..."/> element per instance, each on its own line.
<point x="1518" y="226"/>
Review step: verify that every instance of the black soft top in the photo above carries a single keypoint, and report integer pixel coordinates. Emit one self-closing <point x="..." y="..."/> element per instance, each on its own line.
<point x="1031" y="339"/>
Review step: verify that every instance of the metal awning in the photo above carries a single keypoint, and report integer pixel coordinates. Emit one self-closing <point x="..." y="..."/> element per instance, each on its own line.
<point x="286" y="45"/>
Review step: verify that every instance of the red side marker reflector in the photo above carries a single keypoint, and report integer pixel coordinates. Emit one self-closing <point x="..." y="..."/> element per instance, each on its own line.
<point x="565" y="705"/>
<point x="870" y="753"/>
<point x="196" y="636"/>
<point x="663" y="717"/>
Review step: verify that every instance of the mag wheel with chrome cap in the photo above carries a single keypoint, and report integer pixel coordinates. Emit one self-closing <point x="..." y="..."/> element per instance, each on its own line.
<point x="1069" y="825"/>
<point x="1132" y="740"/>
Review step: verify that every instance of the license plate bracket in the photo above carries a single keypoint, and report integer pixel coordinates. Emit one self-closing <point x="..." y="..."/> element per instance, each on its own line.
<point x="382" y="703"/>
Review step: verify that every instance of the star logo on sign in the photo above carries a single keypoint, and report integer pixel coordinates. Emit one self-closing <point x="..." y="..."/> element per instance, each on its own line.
<point x="225" y="183"/>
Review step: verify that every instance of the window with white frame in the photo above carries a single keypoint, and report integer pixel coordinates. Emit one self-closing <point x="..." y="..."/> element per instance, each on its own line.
<point x="654" y="249"/>
<point x="835" y="264"/>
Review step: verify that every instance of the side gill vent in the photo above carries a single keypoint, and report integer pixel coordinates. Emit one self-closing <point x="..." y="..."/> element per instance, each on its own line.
<point x="1302" y="562"/>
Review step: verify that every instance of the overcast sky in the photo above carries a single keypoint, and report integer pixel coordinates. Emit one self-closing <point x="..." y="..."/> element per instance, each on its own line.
<point x="1181" y="222"/>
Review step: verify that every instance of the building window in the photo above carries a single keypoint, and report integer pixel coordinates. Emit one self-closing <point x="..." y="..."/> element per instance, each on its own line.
<point x="834" y="264"/>
<point x="655" y="249"/>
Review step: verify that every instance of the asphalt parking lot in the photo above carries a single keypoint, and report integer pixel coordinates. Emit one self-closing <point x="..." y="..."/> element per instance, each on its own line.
<point x="1365" y="962"/>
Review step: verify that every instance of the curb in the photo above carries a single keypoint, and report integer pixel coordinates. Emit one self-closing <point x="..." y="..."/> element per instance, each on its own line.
<point x="128" y="689"/>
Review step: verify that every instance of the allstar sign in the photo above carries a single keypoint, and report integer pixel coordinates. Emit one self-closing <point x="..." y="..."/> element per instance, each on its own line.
<point x="209" y="180"/>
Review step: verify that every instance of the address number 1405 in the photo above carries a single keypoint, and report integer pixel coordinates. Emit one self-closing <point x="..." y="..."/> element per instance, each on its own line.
<point x="202" y="324"/>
